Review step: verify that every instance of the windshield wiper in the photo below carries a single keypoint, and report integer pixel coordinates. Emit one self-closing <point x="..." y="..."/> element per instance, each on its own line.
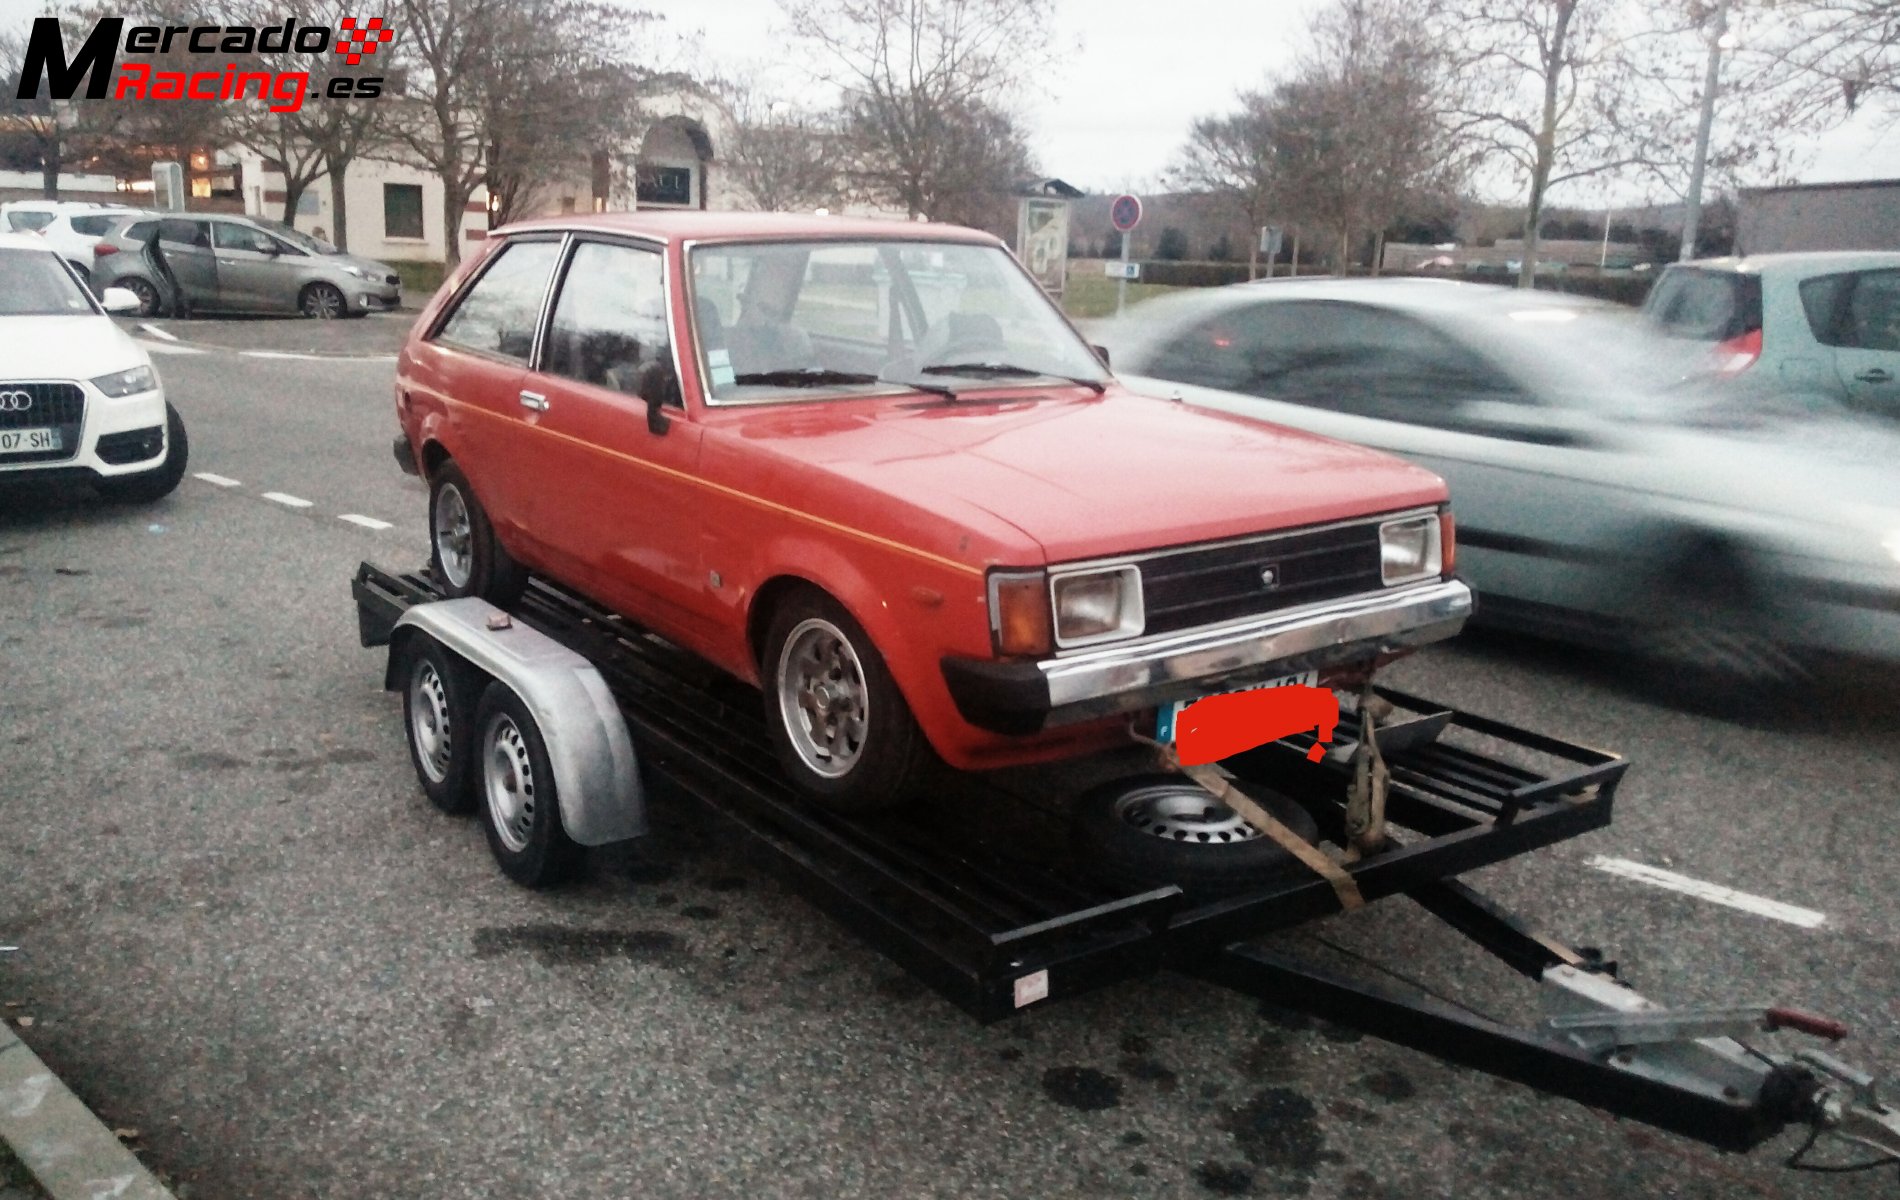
<point x="997" y="369"/>
<point x="824" y="377"/>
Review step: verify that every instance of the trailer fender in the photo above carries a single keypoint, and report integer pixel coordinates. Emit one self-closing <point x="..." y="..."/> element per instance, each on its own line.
<point x="596" y="772"/>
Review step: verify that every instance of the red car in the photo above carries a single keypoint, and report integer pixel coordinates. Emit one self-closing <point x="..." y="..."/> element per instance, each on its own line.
<point x="868" y="466"/>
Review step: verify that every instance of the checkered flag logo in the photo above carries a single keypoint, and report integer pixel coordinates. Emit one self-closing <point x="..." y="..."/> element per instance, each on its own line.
<point x="356" y="38"/>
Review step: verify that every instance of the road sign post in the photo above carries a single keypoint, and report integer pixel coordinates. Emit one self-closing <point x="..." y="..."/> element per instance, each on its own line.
<point x="1125" y="213"/>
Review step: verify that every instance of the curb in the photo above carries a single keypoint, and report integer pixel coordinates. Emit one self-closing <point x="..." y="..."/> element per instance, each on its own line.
<point x="58" y="1139"/>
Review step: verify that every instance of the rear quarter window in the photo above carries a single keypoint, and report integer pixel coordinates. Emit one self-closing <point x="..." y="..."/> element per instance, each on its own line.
<point x="1705" y="306"/>
<point x="27" y="222"/>
<point x="91" y="226"/>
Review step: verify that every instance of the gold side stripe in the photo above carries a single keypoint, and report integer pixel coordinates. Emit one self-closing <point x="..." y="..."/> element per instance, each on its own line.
<point x="736" y="494"/>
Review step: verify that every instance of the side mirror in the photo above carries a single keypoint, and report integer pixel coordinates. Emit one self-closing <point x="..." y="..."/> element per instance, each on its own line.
<point x="1101" y="352"/>
<point x="119" y="300"/>
<point x="659" y="387"/>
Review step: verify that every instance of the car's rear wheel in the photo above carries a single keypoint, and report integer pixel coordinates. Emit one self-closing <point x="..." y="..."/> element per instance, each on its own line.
<point x="145" y="290"/>
<point x="323" y="302"/>
<point x="158" y="482"/>
<point x="842" y="729"/>
<point x="467" y="558"/>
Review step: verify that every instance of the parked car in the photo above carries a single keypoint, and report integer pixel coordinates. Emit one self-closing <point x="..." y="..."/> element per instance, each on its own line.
<point x="228" y="263"/>
<point x="1743" y="544"/>
<point x="1820" y="327"/>
<point x="78" y="398"/>
<point x="71" y="227"/>
<point x="871" y="468"/>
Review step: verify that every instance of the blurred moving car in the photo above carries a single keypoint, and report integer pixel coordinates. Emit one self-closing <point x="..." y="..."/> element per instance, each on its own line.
<point x="71" y="227"/>
<point x="78" y="398"/>
<point x="1594" y="502"/>
<point x="236" y="264"/>
<point x="1820" y="327"/>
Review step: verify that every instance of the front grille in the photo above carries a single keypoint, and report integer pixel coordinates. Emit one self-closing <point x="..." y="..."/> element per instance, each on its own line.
<point x="134" y="445"/>
<point x="61" y="406"/>
<point x="1186" y="588"/>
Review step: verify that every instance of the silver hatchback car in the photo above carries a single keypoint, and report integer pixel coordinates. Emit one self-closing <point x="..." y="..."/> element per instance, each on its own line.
<point x="236" y="264"/>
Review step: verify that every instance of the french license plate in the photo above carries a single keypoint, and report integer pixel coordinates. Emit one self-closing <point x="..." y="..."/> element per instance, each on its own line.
<point x="1165" y="717"/>
<point x="29" y="441"/>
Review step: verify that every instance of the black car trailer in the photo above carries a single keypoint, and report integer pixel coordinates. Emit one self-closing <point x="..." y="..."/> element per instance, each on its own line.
<point x="989" y="909"/>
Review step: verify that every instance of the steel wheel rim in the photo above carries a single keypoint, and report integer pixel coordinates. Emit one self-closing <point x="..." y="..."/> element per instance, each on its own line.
<point x="508" y="782"/>
<point x="323" y="302"/>
<point x="147" y="294"/>
<point x="429" y="725"/>
<point x="454" y="536"/>
<point x="822" y="698"/>
<point x="1175" y="812"/>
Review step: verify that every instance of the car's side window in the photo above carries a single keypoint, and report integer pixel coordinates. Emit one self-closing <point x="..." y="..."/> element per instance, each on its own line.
<point x="138" y="231"/>
<point x="27" y="222"/>
<point x="1872" y="319"/>
<point x="228" y="235"/>
<point x="1821" y="299"/>
<point x="499" y="313"/>
<point x="609" y="324"/>
<point x="175" y="232"/>
<point x="91" y="226"/>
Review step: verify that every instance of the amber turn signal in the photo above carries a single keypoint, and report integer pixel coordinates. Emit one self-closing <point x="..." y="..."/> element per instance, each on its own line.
<point x="1448" y="543"/>
<point x="1020" y="621"/>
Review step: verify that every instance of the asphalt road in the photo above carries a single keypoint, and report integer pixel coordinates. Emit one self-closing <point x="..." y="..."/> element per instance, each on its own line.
<point x="244" y="933"/>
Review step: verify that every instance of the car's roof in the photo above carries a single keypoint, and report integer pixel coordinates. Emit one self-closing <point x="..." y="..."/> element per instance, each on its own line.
<point x="1408" y="293"/>
<point x="740" y="226"/>
<point x="24" y="241"/>
<point x="62" y="206"/>
<point x="1800" y="262"/>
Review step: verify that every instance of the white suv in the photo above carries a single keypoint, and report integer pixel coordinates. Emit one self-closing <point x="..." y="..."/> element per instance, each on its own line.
<point x="71" y="227"/>
<point x="78" y="398"/>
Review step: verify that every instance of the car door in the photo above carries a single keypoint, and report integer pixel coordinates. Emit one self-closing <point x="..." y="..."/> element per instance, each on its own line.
<point x="472" y="365"/>
<point x="615" y="498"/>
<point x="187" y="248"/>
<point x="251" y="269"/>
<point x="1865" y="335"/>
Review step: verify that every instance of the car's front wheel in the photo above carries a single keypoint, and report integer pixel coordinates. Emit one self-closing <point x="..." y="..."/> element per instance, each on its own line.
<point x="323" y="301"/>
<point x="158" y="482"/>
<point x="467" y="558"/>
<point x="842" y="729"/>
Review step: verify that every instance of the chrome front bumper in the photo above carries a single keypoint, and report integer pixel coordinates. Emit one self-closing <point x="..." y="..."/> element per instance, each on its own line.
<point x="1023" y="697"/>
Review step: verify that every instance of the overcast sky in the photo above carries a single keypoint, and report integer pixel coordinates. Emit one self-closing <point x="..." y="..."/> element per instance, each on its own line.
<point x="1132" y="75"/>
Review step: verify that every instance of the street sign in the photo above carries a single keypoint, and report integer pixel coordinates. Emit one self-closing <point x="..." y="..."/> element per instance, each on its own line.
<point x="1269" y="240"/>
<point x="1125" y="213"/>
<point x="1121" y="270"/>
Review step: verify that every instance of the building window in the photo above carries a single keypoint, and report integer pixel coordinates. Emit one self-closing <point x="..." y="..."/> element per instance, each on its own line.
<point x="664" y="185"/>
<point x="402" y="210"/>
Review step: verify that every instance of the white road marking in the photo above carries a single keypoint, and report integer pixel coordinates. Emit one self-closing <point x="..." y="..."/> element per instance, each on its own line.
<point x="284" y="498"/>
<point x="165" y="347"/>
<point x="281" y="354"/>
<point x="292" y="356"/>
<point x="220" y="480"/>
<point x="156" y="332"/>
<point x="1714" y="893"/>
<point x="365" y="522"/>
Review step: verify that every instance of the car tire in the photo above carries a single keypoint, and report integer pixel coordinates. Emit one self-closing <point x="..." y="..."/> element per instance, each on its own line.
<point x="1712" y="649"/>
<point x="322" y="301"/>
<point x="149" y="299"/>
<point x="1149" y="831"/>
<point x="148" y="486"/>
<point x="842" y="729"/>
<point x="464" y="553"/>
<point x="440" y="691"/>
<point x="520" y="802"/>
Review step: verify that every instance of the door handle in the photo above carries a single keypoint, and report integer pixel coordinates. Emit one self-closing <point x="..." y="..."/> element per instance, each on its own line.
<point x="535" y="401"/>
<point x="1875" y="375"/>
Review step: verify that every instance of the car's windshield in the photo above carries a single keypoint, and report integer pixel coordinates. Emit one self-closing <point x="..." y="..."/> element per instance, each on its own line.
<point x="36" y="284"/>
<point x="799" y="320"/>
<point x="302" y="241"/>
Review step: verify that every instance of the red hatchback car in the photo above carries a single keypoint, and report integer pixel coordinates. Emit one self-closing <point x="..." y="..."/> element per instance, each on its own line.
<point x="869" y="467"/>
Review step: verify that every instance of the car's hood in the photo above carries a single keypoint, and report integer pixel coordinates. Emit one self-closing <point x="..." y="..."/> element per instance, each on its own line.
<point x="1086" y="476"/>
<point x="65" y="347"/>
<point x="379" y="270"/>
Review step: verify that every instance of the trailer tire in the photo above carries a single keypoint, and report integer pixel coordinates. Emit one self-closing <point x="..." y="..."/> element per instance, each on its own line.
<point x="465" y="556"/>
<point x="438" y="712"/>
<point x="1149" y="831"/>
<point x="890" y="754"/>
<point x="521" y="806"/>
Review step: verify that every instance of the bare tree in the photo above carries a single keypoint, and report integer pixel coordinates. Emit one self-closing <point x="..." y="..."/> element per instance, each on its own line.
<point x="1234" y="157"/>
<point x="782" y="156"/>
<point x="924" y="82"/>
<point x="1831" y="56"/>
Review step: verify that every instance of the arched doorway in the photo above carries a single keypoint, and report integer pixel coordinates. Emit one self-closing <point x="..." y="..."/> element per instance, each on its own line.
<point x="670" y="171"/>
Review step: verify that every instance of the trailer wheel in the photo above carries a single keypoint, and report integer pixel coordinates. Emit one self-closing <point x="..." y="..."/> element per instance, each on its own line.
<point x="464" y="552"/>
<point x="521" y="810"/>
<point x="438" y="711"/>
<point x="1153" y="830"/>
<point x="840" y="726"/>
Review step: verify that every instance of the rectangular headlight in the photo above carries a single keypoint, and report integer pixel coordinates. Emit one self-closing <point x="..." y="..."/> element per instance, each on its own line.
<point x="127" y="383"/>
<point x="1410" y="550"/>
<point x="1097" y="606"/>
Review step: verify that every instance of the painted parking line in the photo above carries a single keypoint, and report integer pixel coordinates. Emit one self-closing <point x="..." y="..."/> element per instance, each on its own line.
<point x="156" y="332"/>
<point x="220" y="480"/>
<point x="286" y="499"/>
<point x="165" y="347"/>
<point x="1714" y="893"/>
<point x="293" y="356"/>
<point x="365" y="522"/>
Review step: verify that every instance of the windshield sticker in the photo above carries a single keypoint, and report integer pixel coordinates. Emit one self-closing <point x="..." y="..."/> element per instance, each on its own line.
<point x="721" y="363"/>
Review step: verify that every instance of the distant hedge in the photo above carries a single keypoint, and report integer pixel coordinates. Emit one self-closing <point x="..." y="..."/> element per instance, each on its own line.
<point x="1193" y="274"/>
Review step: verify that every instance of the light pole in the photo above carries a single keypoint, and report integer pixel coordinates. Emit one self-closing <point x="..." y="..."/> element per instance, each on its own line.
<point x="1692" y="214"/>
